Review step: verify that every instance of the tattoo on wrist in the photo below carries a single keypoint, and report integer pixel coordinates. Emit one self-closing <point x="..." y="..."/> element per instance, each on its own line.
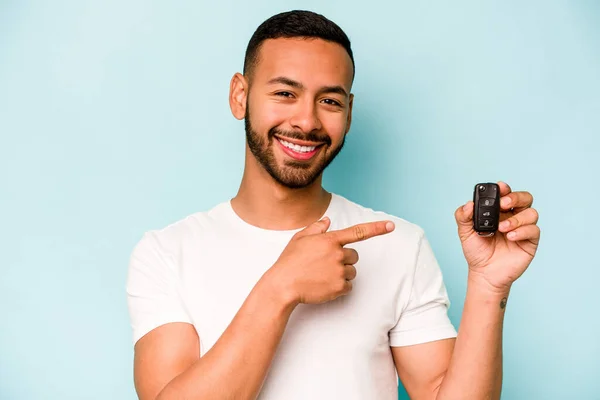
<point x="503" y="303"/>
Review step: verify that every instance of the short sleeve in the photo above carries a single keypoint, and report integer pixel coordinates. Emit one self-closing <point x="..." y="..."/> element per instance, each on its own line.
<point x="425" y="317"/>
<point x="153" y="295"/>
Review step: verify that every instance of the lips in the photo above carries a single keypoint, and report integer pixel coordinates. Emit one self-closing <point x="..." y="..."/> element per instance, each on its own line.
<point x="298" y="150"/>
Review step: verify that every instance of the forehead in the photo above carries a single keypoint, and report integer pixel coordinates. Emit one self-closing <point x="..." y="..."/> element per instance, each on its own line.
<point x="312" y="62"/>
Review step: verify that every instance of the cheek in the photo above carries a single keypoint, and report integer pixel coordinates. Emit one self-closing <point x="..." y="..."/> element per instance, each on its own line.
<point x="335" y="125"/>
<point x="266" y="116"/>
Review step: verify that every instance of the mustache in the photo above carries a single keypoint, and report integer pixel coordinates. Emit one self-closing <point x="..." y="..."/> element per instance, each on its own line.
<point x="310" y="137"/>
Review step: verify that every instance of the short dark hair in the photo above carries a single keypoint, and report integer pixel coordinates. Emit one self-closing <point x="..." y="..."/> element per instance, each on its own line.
<point x="295" y="24"/>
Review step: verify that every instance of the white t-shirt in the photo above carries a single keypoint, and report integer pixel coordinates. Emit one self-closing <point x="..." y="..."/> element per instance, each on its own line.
<point x="199" y="270"/>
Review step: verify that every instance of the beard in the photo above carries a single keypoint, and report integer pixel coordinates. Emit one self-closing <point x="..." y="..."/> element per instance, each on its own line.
<point x="292" y="174"/>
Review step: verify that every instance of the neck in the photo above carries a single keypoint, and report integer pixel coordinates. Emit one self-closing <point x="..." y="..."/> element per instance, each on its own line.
<point x="263" y="202"/>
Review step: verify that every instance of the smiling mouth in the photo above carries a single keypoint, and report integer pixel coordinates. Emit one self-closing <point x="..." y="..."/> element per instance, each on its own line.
<point x="299" y="150"/>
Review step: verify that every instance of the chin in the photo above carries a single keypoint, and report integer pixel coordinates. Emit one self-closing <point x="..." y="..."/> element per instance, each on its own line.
<point x="295" y="182"/>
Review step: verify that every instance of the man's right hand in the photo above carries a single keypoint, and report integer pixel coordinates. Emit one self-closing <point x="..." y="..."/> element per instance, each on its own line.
<point x="315" y="267"/>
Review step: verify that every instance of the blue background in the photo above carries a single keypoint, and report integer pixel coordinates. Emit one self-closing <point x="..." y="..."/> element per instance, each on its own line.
<point x="114" y="120"/>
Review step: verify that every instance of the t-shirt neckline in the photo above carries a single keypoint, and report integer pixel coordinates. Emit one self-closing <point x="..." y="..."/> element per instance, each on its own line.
<point x="262" y="233"/>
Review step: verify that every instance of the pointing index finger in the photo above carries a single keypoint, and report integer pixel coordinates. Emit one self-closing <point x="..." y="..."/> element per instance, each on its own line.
<point x="360" y="232"/>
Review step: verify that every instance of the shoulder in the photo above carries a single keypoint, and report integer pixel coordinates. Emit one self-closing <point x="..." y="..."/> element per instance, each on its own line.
<point x="351" y="213"/>
<point x="171" y="238"/>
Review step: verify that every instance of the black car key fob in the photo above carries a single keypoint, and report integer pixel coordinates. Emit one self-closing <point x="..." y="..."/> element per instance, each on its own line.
<point x="486" y="212"/>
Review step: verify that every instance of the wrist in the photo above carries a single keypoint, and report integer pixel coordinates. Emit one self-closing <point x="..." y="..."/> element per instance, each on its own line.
<point x="486" y="295"/>
<point x="476" y="282"/>
<point x="279" y="290"/>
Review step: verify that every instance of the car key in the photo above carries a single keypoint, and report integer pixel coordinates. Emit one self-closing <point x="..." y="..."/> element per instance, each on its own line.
<point x="486" y="212"/>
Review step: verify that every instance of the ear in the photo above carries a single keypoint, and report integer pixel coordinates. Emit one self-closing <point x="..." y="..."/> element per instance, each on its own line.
<point x="349" y="119"/>
<point x="238" y="92"/>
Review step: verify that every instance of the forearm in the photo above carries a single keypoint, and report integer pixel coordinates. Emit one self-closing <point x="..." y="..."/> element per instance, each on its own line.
<point x="475" y="370"/>
<point x="235" y="367"/>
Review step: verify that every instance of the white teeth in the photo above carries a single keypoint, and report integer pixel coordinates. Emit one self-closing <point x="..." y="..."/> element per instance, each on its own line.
<point x="295" y="147"/>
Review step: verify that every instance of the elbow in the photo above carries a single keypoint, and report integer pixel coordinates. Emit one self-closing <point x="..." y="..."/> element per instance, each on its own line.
<point x="437" y="385"/>
<point x="170" y="393"/>
<point x="167" y="393"/>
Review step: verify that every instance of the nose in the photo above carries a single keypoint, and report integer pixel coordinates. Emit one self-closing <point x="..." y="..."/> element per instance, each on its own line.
<point x="305" y="117"/>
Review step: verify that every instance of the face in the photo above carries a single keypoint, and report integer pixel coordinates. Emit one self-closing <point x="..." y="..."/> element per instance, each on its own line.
<point x="298" y="108"/>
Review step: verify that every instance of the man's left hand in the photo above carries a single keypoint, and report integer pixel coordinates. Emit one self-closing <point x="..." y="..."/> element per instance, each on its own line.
<point x="500" y="259"/>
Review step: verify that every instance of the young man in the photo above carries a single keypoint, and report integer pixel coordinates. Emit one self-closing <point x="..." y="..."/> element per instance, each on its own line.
<point x="290" y="292"/>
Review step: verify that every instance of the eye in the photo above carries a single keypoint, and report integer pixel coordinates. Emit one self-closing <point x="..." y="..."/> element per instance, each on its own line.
<point x="284" y="94"/>
<point x="332" y="102"/>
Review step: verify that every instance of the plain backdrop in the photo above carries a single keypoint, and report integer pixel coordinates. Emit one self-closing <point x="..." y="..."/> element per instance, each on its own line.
<point x="114" y="120"/>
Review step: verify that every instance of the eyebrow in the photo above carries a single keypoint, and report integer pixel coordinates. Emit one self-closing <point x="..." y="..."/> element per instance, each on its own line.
<point x="297" y="85"/>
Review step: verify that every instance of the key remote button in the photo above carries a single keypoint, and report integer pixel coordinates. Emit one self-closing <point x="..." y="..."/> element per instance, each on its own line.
<point x="487" y="223"/>
<point x="486" y="212"/>
<point x="488" y="202"/>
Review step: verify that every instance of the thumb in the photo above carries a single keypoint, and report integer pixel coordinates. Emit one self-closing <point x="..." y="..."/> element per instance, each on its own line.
<point x="319" y="226"/>
<point x="464" y="219"/>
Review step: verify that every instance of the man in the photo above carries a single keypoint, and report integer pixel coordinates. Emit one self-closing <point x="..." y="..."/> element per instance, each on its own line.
<point x="290" y="292"/>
